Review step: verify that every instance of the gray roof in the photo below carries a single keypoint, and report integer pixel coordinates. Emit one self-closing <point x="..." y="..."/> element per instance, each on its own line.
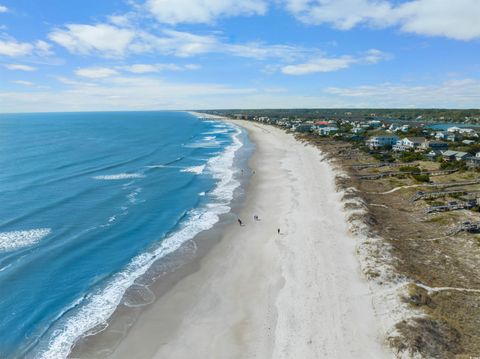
<point x="454" y="153"/>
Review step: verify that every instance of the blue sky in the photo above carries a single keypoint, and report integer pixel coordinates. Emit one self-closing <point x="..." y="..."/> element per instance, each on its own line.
<point x="197" y="54"/>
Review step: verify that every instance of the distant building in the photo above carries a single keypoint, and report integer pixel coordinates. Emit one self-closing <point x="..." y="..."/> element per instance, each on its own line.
<point x="408" y="143"/>
<point x="375" y="123"/>
<point x="453" y="129"/>
<point x="326" y="131"/>
<point x="434" y="145"/>
<point x="381" y="141"/>
<point x="433" y="155"/>
<point x="441" y="135"/>
<point x="358" y="130"/>
<point x="473" y="161"/>
<point x="454" y="155"/>
<point x="302" y="128"/>
<point x="467" y="131"/>
<point x="453" y="137"/>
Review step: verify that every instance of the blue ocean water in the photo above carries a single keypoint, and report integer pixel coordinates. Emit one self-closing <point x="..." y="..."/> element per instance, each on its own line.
<point x="88" y="202"/>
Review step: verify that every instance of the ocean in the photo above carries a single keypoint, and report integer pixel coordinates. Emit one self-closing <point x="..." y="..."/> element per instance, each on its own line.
<point x="89" y="201"/>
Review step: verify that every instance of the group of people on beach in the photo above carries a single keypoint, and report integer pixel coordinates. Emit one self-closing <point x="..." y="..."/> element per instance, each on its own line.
<point x="255" y="218"/>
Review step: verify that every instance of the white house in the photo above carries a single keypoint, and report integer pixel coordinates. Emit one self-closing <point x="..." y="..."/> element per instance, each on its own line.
<point x="381" y="141"/>
<point x="325" y="131"/>
<point x="375" y="123"/>
<point x="453" y="129"/>
<point x="408" y="143"/>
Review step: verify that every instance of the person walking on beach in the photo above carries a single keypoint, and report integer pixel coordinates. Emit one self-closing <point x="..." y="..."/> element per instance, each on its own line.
<point x="278" y="231"/>
<point x="240" y="222"/>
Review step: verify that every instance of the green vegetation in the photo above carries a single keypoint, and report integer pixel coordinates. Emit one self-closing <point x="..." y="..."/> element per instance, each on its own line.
<point x="454" y="165"/>
<point x="411" y="156"/>
<point x="414" y="169"/>
<point x="421" y="177"/>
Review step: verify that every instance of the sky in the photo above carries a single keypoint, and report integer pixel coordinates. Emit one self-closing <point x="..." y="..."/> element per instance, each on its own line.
<point x="104" y="55"/>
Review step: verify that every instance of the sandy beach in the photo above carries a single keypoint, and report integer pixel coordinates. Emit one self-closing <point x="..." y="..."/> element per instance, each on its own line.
<point x="260" y="294"/>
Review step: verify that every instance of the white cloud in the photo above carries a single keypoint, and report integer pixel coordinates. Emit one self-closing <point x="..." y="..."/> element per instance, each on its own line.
<point x="449" y="94"/>
<point x="374" y="56"/>
<point x="87" y="39"/>
<point x="19" y="67"/>
<point x="457" y="19"/>
<point x="12" y="48"/>
<point x="23" y="83"/>
<point x="119" y="93"/>
<point x="108" y="40"/>
<point x="95" y="72"/>
<point x="3" y="9"/>
<point x="178" y="43"/>
<point x="331" y="64"/>
<point x="202" y="11"/>
<point x="150" y="68"/>
<point x="123" y="93"/>
<point x="453" y="19"/>
<point x="43" y="48"/>
<point x="319" y="65"/>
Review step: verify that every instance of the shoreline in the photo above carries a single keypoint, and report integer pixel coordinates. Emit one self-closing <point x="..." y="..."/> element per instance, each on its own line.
<point x="166" y="271"/>
<point x="257" y="293"/>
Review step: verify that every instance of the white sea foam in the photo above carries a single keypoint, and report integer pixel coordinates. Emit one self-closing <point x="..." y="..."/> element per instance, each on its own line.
<point x="206" y="142"/>
<point x="119" y="176"/>
<point x="216" y="132"/>
<point x="195" y="169"/>
<point x="99" y="306"/>
<point x="6" y="267"/>
<point x="19" y="239"/>
<point x="132" y="196"/>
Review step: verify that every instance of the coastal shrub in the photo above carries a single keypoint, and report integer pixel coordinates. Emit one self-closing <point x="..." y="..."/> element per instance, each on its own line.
<point x="411" y="156"/>
<point x="409" y="169"/>
<point x="421" y="177"/>
<point x="454" y="165"/>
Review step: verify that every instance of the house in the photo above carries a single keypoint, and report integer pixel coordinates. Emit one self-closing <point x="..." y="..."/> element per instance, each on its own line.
<point x="408" y="143"/>
<point x="358" y="130"/>
<point x="375" y="123"/>
<point x="473" y="161"/>
<point x="325" y="131"/>
<point x="381" y="141"/>
<point x="405" y="128"/>
<point x="454" y="155"/>
<point x="453" y="129"/>
<point x="433" y="155"/>
<point x="453" y="137"/>
<point x="434" y="145"/>
<point x="238" y="116"/>
<point x="302" y="128"/>
<point x="467" y="132"/>
<point x="441" y="135"/>
<point x="468" y="142"/>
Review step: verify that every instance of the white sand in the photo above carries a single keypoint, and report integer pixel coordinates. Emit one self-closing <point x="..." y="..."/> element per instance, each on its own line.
<point x="258" y="294"/>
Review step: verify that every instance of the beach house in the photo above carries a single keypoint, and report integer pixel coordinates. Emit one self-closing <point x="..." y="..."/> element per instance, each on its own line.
<point x="430" y="145"/>
<point x="454" y="155"/>
<point x="408" y="143"/>
<point x="381" y="141"/>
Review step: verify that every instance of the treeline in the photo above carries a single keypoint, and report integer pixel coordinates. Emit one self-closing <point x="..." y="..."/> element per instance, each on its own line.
<point x="445" y="115"/>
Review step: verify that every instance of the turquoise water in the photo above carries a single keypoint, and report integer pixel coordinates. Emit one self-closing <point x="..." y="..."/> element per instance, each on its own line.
<point x="89" y="201"/>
